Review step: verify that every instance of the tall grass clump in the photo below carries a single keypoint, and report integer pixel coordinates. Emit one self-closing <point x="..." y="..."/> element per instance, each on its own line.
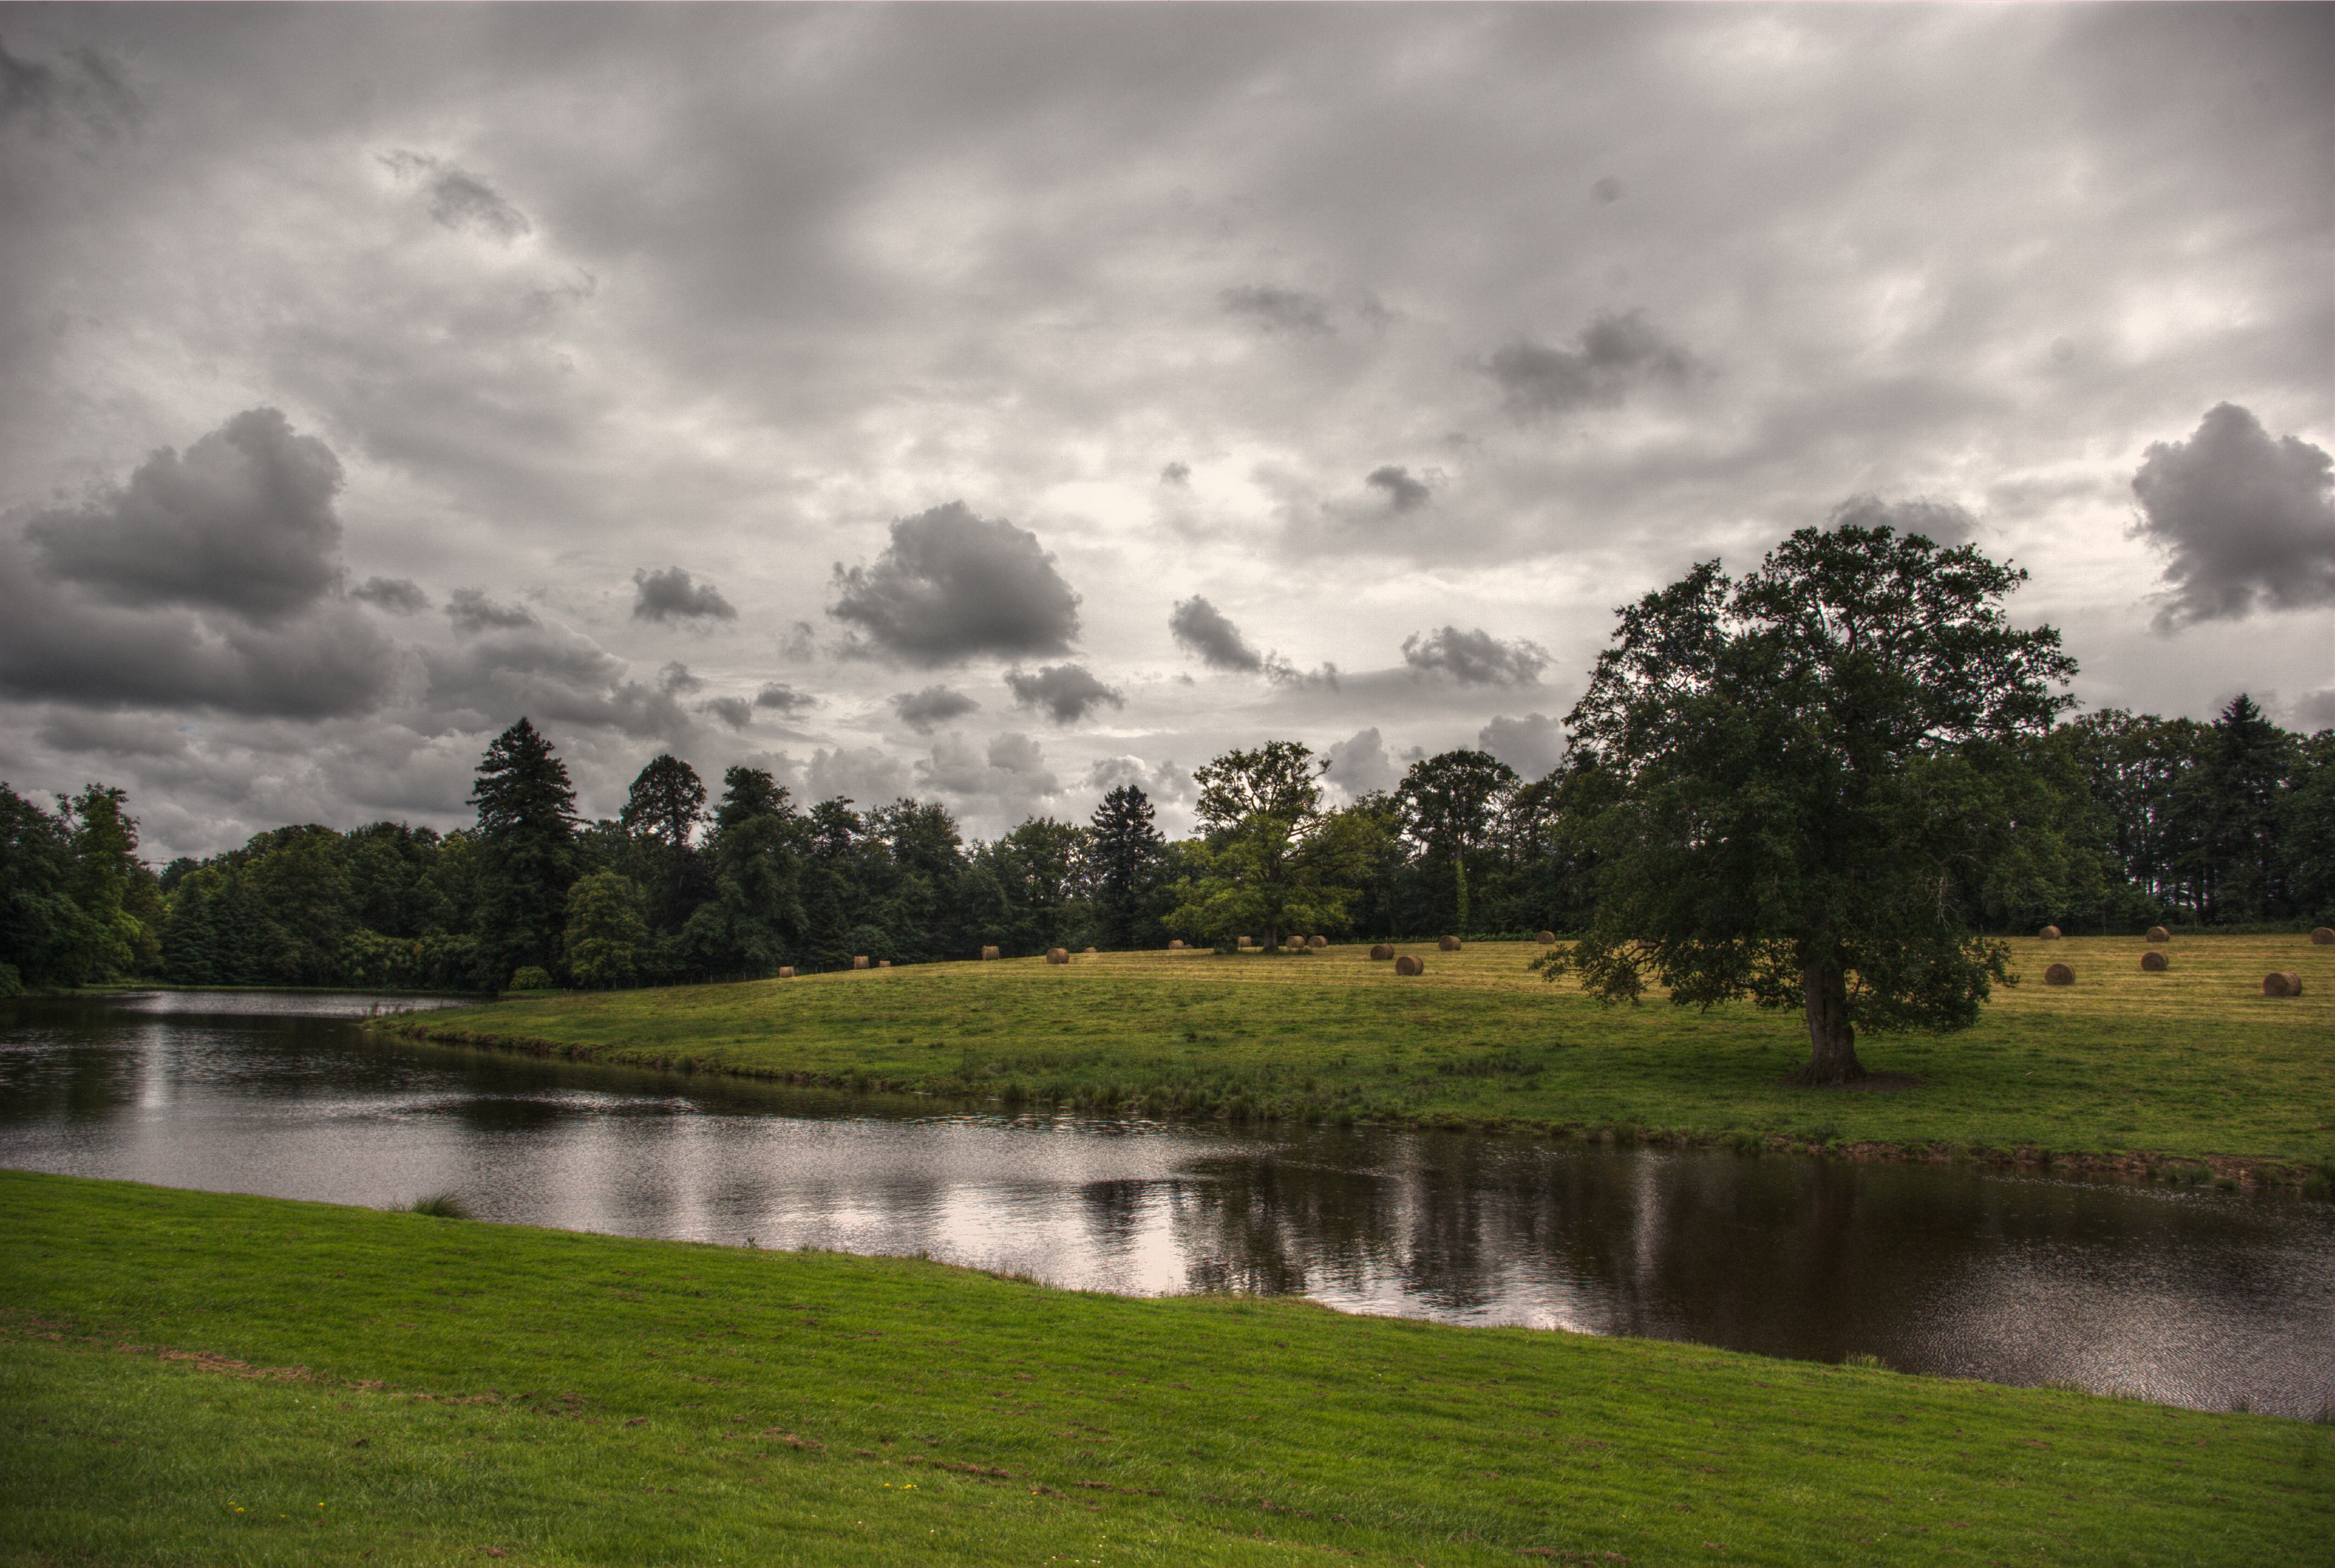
<point x="445" y="1206"/>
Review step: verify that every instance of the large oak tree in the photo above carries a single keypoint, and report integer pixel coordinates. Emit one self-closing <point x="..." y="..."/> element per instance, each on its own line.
<point x="1811" y="777"/>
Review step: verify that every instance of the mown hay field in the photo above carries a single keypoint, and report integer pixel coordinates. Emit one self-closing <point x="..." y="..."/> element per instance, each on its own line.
<point x="2189" y="1063"/>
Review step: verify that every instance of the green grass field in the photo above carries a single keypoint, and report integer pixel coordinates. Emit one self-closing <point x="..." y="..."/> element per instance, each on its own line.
<point x="2124" y="1066"/>
<point x="198" y="1379"/>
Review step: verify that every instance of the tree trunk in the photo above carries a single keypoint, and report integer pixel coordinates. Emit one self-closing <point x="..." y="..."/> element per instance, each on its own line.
<point x="1832" y="1043"/>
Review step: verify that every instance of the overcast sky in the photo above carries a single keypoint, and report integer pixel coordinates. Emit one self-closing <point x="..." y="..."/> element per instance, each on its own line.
<point x="995" y="404"/>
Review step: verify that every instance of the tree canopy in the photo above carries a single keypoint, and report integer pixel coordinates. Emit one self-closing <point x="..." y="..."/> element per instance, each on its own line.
<point x="1810" y="778"/>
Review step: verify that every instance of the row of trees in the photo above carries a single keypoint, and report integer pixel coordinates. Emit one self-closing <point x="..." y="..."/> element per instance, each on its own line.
<point x="2154" y="821"/>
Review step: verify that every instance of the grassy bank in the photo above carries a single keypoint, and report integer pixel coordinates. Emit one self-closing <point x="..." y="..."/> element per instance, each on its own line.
<point x="2189" y="1064"/>
<point x="191" y="1377"/>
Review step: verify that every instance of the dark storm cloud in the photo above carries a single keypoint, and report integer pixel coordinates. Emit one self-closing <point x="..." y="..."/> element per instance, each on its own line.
<point x="1275" y="309"/>
<point x="243" y="523"/>
<point x="735" y="711"/>
<point x="83" y="90"/>
<point x="1201" y="628"/>
<point x="459" y="199"/>
<point x="1403" y="493"/>
<point x="398" y="595"/>
<point x="1360" y="764"/>
<point x="1475" y="658"/>
<point x="1066" y="692"/>
<point x="670" y="596"/>
<point x="1614" y="354"/>
<point x="1940" y="522"/>
<point x="552" y="675"/>
<point x="471" y="611"/>
<point x="951" y="586"/>
<point x="675" y="680"/>
<point x="2245" y="520"/>
<point x="925" y="712"/>
<point x="1533" y="745"/>
<point x="65" y="645"/>
<point x="784" y="699"/>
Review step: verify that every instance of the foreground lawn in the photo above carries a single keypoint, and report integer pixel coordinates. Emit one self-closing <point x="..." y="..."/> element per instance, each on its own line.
<point x="2191" y="1062"/>
<point x="191" y="1377"/>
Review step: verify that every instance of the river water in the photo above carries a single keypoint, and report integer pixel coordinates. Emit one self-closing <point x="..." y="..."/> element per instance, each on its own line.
<point x="2201" y="1298"/>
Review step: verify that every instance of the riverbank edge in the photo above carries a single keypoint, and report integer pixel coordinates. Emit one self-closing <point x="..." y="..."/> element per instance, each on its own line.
<point x="2246" y="1172"/>
<point x="1655" y="1444"/>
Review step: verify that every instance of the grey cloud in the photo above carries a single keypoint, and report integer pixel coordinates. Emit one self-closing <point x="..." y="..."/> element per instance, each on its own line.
<point x="670" y="596"/>
<point x="1175" y="474"/>
<point x="1279" y="309"/>
<point x="785" y="699"/>
<point x="459" y="199"/>
<point x="1067" y="692"/>
<point x="675" y="681"/>
<point x="1606" y="189"/>
<point x="1614" y="352"/>
<point x="1940" y="522"/>
<point x="1202" y="629"/>
<point x="1533" y="745"/>
<point x="471" y="611"/>
<point x="1008" y="778"/>
<point x="1281" y="671"/>
<point x="735" y="711"/>
<point x="1403" y="493"/>
<point x="85" y="90"/>
<point x="2245" y="520"/>
<point x="398" y="595"/>
<point x="1475" y="658"/>
<point x="1360" y="764"/>
<point x="113" y="734"/>
<point x="951" y="586"/>
<point x="1166" y="783"/>
<point x="868" y="776"/>
<point x="552" y="675"/>
<point x="243" y="523"/>
<point x="62" y="645"/>
<point x="926" y="710"/>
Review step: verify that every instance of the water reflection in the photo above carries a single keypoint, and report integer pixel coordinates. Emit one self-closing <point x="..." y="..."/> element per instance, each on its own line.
<point x="2200" y="1299"/>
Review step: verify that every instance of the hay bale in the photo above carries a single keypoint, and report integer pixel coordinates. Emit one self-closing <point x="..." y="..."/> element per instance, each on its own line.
<point x="1317" y="941"/>
<point x="786" y="971"/>
<point x="2059" y="974"/>
<point x="2155" y="962"/>
<point x="883" y="963"/>
<point x="2324" y="936"/>
<point x="2157" y="934"/>
<point x="1058" y="955"/>
<point x="2048" y="934"/>
<point x="1380" y="950"/>
<point x="859" y="961"/>
<point x="1244" y="941"/>
<point x="987" y="954"/>
<point x="1407" y="964"/>
<point x="1295" y="943"/>
<point x="2283" y="982"/>
<point x="1176" y="945"/>
<point x="1545" y="938"/>
<point x="1450" y="945"/>
<point x="1090" y="949"/>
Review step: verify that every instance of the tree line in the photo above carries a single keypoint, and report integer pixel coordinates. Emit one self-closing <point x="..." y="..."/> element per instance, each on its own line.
<point x="2149" y="821"/>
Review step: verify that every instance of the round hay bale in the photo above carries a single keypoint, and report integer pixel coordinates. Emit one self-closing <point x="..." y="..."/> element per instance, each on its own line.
<point x="1545" y="938"/>
<point x="2059" y="974"/>
<point x="859" y="961"/>
<point x="1450" y="945"/>
<point x="2157" y="934"/>
<point x="1058" y="955"/>
<point x="2324" y="936"/>
<point x="2048" y="934"/>
<point x="1294" y="943"/>
<point x="786" y="971"/>
<point x="1407" y="964"/>
<point x="2155" y="962"/>
<point x="1246" y="942"/>
<point x="1176" y="945"/>
<point x="1317" y="941"/>
<point x="2283" y="982"/>
<point x="883" y="963"/>
<point x="987" y="954"/>
<point x="1090" y="949"/>
<point x="1380" y="950"/>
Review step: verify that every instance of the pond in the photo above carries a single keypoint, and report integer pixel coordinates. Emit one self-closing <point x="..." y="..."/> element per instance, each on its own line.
<point x="2214" y="1299"/>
